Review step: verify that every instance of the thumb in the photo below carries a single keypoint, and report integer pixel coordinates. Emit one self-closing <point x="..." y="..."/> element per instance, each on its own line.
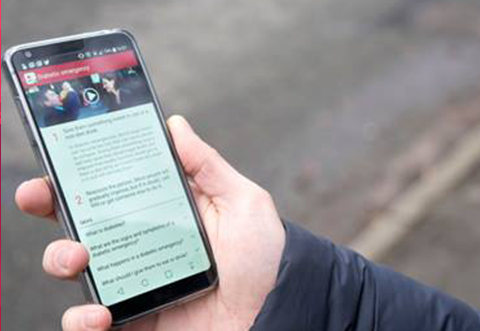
<point x="210" y="172"/>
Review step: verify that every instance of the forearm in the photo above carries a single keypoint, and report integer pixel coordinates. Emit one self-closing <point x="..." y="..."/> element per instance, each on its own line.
<point x="324" y="287"/>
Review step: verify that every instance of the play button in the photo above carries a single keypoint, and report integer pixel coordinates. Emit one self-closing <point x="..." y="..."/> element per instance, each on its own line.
<point x="91" y="96"/>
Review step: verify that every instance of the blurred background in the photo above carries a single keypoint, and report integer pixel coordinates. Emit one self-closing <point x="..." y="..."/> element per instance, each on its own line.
<point x="337" y="107"/>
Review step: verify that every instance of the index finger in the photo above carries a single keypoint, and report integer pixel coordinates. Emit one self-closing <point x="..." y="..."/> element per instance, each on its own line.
<point x="34" y="197"/>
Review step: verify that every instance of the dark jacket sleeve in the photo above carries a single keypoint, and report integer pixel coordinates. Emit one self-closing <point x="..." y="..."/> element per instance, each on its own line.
<point x="324" y="287"/>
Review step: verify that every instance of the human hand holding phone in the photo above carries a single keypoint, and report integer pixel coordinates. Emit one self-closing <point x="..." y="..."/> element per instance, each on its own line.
<point x="243" y="226"/>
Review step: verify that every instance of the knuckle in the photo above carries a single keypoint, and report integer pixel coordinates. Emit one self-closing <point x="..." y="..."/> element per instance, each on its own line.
<point x="208" y="161"/>
<point x="213" y="155"/>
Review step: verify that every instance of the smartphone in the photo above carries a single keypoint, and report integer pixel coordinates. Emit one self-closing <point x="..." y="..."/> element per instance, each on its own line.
<point x="97" y="128"/>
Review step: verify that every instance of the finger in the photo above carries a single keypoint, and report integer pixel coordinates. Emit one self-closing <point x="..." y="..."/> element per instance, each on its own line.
<point x="35" y="197"/>
<point x="87" y="318"/>
<point x="213" y="175"/>
<point x="65" y="259"/>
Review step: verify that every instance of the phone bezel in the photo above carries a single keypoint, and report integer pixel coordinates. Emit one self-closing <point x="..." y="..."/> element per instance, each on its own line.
<point x="157" y="299"/>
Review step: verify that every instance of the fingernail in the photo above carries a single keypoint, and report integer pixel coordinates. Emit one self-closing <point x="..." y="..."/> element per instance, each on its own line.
<point x="63" y="258"/>
<point x="25" y="183"/>
<point x="92" y="319"/>
<point x="186" y="123"/>
<point x="183" y="121"/>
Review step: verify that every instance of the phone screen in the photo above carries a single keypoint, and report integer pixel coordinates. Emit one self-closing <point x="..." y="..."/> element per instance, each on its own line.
<point x="99" y="123"/>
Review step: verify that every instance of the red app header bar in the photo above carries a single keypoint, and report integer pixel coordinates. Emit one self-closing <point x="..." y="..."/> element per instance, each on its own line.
<point x="74" y="70"/>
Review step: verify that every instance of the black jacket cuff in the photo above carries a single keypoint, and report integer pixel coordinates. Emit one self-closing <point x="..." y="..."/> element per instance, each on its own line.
<point x="324" y="287"/>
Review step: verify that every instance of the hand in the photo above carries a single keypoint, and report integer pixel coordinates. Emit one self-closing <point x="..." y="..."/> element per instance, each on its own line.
<point x="243" y="226"/>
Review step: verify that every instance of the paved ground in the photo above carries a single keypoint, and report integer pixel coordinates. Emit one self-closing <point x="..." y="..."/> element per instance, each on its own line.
<point x="443" y="251"/>
<point x="312" y="99"/>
